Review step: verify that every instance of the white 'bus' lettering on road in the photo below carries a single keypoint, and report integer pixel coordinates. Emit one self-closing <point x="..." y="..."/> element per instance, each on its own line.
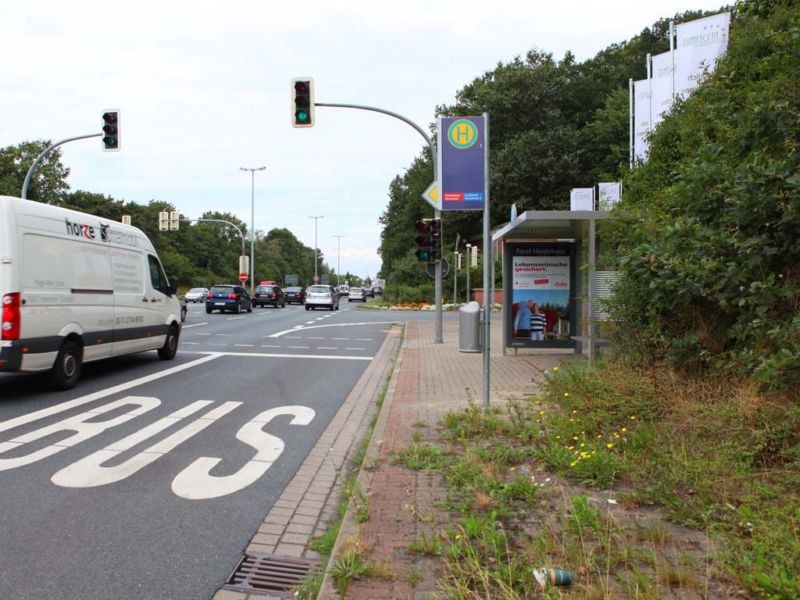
<point x="78" y="424"/>
<point x="90" y="472"/>
<point x="196" y="483"/>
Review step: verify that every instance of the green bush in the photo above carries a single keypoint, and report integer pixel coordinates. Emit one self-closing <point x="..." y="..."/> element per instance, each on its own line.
<point x="707" y="234"/>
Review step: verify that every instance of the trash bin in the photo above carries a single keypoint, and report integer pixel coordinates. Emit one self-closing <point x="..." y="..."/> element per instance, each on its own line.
<point x="469" y="327"/>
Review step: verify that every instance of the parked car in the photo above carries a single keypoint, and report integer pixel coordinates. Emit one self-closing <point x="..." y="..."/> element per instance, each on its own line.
<point x="357" y="295"/>
<point x="295" y="294"/>
<point x="269" y="294"/>
<point x="196" y="295"/>
<point x="228" y="297"/>
<point x="322" y="296"/>
<point x="368" y="292"/>
<point x="377" y="291"/>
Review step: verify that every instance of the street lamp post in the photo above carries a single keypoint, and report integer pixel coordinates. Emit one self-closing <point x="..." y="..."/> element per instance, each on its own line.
<point x="316" y="277"/>
<point x="338" y="255"/>
<point x="252" y="223"/>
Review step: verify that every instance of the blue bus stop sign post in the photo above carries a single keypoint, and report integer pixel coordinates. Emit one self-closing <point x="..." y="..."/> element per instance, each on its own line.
<point x="462" y="158"/>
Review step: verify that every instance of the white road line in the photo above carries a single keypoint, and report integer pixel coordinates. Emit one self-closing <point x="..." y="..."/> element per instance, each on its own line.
<point x="299" y="347"/>
<point x="189" y="343"/>
<point x="276" y="355"/>
<point x="296" y="327"/>
<point x="316" y="338"/>
<point x="307" y="323"/>
<point x="245" y="345"/>
<point x="355" y="348"/>
<point x="203" y="333"/>
<point x="193" y="325"/>
<point x="268" y="346"/>
<point x="62" y="406"/>
<point x="363" y="339"/>
<point x="293" y="337"/>
<point x="218" y="344"/>
<point x="222" y="334"/>
<point x="327" y="347"/>
<point x="234" y="318"/>
<point x="341" y="339"/>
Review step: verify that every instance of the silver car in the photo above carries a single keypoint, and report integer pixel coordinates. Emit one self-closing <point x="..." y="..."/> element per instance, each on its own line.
<point x="196" y="295"/>
<point x="322" y="295"/>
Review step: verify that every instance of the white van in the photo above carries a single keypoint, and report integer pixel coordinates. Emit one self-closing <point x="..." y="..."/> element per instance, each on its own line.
<point x="77" y="288"/>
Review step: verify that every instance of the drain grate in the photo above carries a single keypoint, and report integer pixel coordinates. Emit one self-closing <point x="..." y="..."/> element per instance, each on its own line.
<point x="259" y="571"/>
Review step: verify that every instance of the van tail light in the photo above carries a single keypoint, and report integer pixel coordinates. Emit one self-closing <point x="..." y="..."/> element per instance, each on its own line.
<point x="12" y="318"/>
<point x="233" y="297"/>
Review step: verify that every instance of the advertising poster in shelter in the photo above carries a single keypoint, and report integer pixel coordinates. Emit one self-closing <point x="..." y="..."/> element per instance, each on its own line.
<point x="542" y="286"/>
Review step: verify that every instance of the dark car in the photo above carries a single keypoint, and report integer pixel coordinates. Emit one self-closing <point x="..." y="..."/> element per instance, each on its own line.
<point x="228" y="297"/>
<point x="269" y="294"/>
<point x="295" y="294"/>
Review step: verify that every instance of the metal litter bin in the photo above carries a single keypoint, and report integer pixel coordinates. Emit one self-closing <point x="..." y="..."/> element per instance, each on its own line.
<point x="469" y="327"/>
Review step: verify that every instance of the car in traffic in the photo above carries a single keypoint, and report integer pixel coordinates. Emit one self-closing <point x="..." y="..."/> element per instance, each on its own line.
<point x="377" y="291"/>
<point x="344" y="290"/>
<point x="269" y="294"/>
<point x="198" y="294"/>
<point x="323" y="296"/>
<point x="357" y="295"/>
<point x="295" y="295"/>
<point x="232" y="297"/>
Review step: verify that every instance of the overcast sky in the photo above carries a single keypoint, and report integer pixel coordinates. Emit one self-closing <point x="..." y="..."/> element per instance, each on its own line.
<point x="203" y="89"/>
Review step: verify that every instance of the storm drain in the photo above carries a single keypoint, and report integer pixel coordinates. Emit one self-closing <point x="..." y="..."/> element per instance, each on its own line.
<point x="267" y="572"/>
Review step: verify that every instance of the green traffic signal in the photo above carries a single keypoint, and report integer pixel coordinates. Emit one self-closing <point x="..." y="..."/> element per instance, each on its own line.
<point x="303" y="102"/>
<point x="111" y="130"/>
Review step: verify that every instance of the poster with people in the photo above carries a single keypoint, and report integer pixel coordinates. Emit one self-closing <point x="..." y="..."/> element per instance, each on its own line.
<point x="541" y="278"/>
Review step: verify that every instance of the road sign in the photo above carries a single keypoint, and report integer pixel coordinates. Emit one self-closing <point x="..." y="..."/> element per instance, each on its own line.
<point x="432" y="196"/>
<point x="431" y="268"/>
<point x="242" y="277"/>
<point x="462" y="159"/>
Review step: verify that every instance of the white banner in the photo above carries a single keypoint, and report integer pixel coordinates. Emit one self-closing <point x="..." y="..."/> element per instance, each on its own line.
<point x="641" y="117"/>
<point x="661" y="87"/>
<point x="581" y="199"/>
<point x="699" y="44"/>
<point x="609" y="193"/>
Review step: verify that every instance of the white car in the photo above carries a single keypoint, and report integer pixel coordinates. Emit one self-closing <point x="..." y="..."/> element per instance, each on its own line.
<point x="322" y="295"/>
<point x="196" y="295"/>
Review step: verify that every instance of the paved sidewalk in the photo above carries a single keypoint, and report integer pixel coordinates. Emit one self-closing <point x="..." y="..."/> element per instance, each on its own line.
<point x="428" y="381"/>
<point x="425" y="381"/>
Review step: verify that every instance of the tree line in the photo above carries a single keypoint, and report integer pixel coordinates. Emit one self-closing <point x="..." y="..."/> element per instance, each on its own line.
<point x="198" y="254"/>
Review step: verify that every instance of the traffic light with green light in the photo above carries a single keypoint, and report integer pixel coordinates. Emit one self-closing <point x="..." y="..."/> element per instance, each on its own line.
<point x="424" y="240"/>
<point x="302" y="102"/>
<point x="111" y="131"/>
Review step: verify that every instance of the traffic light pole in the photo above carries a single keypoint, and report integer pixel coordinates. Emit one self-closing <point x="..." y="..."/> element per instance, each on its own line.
<point x="39" y="158"/>
<point x="437" y="214"/>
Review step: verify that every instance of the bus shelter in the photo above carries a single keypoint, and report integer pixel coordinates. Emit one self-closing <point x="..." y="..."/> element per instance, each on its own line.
<point x="550" y="285"/>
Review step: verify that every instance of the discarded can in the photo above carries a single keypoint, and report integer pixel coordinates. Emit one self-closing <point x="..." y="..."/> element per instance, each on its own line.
<point x="552" y="577"/>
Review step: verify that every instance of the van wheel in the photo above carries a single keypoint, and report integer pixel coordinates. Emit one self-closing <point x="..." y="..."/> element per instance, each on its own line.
<point x="67" y="368"/>
<point x="170" y="347"/>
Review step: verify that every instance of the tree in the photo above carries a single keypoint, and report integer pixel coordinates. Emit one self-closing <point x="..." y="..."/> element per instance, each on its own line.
<point x="49" y="180"/>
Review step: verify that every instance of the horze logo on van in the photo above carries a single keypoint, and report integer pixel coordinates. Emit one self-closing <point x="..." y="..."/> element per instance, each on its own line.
<point x="79" y="230"/>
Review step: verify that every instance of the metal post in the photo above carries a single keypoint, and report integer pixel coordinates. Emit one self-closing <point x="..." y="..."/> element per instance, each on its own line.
<point x="39" y="158"/>
<point x="455" y="278"/>
<point x="338" y="258"/>
<point x="469" y="268"/>
<point x="631" y="123"/>
<point x="487" y="261"/>
<point x="316" y="277"/>
<point x="252" y="224"/>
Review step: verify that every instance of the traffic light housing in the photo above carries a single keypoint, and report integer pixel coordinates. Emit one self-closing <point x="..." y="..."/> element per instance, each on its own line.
<point x="424" y="240"/>
<point x="436" y="239"/>
<point x="302" y="102"/>
<point x="111" y="131"/>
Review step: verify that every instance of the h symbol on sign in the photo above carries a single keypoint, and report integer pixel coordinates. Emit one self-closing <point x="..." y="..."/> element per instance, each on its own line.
<point x="462" y="134"/>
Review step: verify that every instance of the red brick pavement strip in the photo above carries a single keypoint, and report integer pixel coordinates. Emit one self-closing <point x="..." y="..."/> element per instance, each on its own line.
<point x="429" y="379"/>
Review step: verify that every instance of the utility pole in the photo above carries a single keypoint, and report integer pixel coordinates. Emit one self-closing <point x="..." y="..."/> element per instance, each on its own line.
<point x="316" y="277"/>
<point x="252" y="224"/>
<point x="338" y="254"/>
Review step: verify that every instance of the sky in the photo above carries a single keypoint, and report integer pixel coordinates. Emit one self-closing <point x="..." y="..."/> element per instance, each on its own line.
<point x="203" y="90"/>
